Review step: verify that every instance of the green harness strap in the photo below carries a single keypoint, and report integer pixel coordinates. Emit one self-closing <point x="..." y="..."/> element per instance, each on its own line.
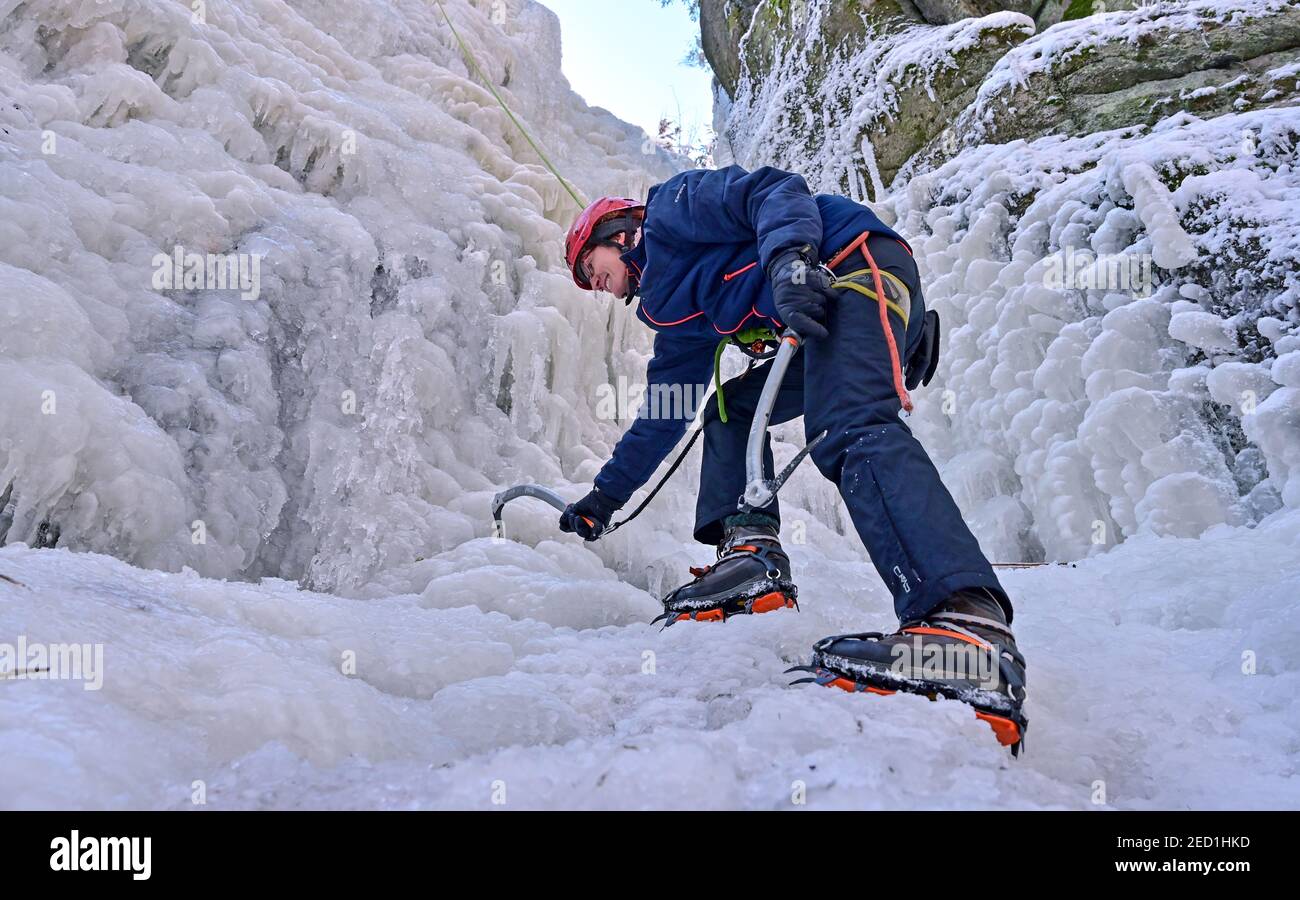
<point x="717" y="378"/>
<point x="751" y="336"/>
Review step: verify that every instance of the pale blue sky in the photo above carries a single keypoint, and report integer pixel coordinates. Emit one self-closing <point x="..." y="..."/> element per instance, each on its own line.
<point x="626" y="55"/>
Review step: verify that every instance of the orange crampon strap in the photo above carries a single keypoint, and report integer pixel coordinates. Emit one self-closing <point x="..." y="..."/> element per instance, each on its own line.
<point x="944" y="632"/>
<point x="860" y="243"/>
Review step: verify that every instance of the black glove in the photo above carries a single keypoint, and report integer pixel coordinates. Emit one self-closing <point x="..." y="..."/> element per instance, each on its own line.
<point x="801" y="289"/>
<point x="589" y="516"/>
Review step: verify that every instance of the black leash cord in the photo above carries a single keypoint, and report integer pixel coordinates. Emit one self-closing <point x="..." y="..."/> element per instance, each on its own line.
<point x="662" y="481"/>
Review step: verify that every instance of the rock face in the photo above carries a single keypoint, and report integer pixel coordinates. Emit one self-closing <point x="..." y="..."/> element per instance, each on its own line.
<point x="722" y="25"/>
<point x="852" y="91"/>
<point x="945" y="12"/>
<point x="919" y="79"/>
<point x="1094" y="79"/>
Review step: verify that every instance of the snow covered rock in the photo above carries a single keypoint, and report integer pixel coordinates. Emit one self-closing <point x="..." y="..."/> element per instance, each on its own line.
<point x="843" y="93"/>
<point x="853" y="96"/>
<point x="1122" y="67"/>
<point x="1274" y="426"/>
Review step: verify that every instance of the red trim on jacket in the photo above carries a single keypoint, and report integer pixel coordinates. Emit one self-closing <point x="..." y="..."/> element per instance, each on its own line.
<point x="655" y="321"/>
<point x="753" y="311"/>
<point x="738" y="272"/>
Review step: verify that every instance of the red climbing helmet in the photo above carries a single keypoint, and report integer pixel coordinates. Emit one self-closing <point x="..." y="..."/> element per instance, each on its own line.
<point x="598" y="223"/>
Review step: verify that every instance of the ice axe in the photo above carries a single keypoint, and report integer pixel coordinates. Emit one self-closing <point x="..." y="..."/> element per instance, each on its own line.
<point x="759" y="491"/>
<point x="547" y="495"/>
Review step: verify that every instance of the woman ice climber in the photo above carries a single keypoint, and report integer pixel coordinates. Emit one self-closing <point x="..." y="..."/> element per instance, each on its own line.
<point x="714" y="254"/>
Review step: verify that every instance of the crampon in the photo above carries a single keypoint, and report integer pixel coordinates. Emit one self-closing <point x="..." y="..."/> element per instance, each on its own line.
<point x="751" y="576"/>
<point x="876" y="663"/>
<point x="780" y="595"/>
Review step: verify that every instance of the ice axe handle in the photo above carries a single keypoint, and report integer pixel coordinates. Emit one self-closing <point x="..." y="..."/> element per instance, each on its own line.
<point x="523" y="490"/>
<point x="758" y="491"/>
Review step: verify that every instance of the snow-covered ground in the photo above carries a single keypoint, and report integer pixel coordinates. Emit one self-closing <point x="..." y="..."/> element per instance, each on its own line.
<point x="414" y="345"/>
<point x="529" y="675"/>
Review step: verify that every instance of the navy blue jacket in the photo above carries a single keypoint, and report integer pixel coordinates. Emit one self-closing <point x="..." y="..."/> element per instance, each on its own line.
<point x="708" y="238"/>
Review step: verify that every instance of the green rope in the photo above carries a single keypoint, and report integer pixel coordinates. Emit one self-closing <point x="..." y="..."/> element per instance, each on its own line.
<point x="469" y="55"/>
<point x="717" y="379"/>
<point x="748" y="336"/>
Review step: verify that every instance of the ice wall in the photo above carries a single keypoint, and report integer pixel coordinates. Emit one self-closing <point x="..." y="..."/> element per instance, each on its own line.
<point x="1116" y="358"/>
<point x="411" y="341"/>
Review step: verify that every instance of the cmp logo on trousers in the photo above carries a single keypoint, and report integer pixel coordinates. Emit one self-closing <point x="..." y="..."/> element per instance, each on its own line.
<point x="91" y="854"/>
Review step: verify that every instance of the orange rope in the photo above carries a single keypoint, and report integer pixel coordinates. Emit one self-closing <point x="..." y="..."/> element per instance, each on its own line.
<point x="861" y="243"/>
<point x="844" y="254"/>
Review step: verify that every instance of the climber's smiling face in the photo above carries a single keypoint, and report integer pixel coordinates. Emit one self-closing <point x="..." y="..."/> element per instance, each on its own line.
<point x="606" y="271"/>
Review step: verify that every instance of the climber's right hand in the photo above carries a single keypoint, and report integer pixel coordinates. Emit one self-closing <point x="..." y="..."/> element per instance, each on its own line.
<point x="800" y="291"/>
<point x="589" y="517"/>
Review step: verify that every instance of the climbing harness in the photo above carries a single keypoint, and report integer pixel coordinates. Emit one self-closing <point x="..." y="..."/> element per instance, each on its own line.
<point x="757" y="343"/>
<point x="883" y="301"/>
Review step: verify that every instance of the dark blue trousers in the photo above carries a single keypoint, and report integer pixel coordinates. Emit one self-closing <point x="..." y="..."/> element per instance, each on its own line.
<point x="843" y="384"/>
